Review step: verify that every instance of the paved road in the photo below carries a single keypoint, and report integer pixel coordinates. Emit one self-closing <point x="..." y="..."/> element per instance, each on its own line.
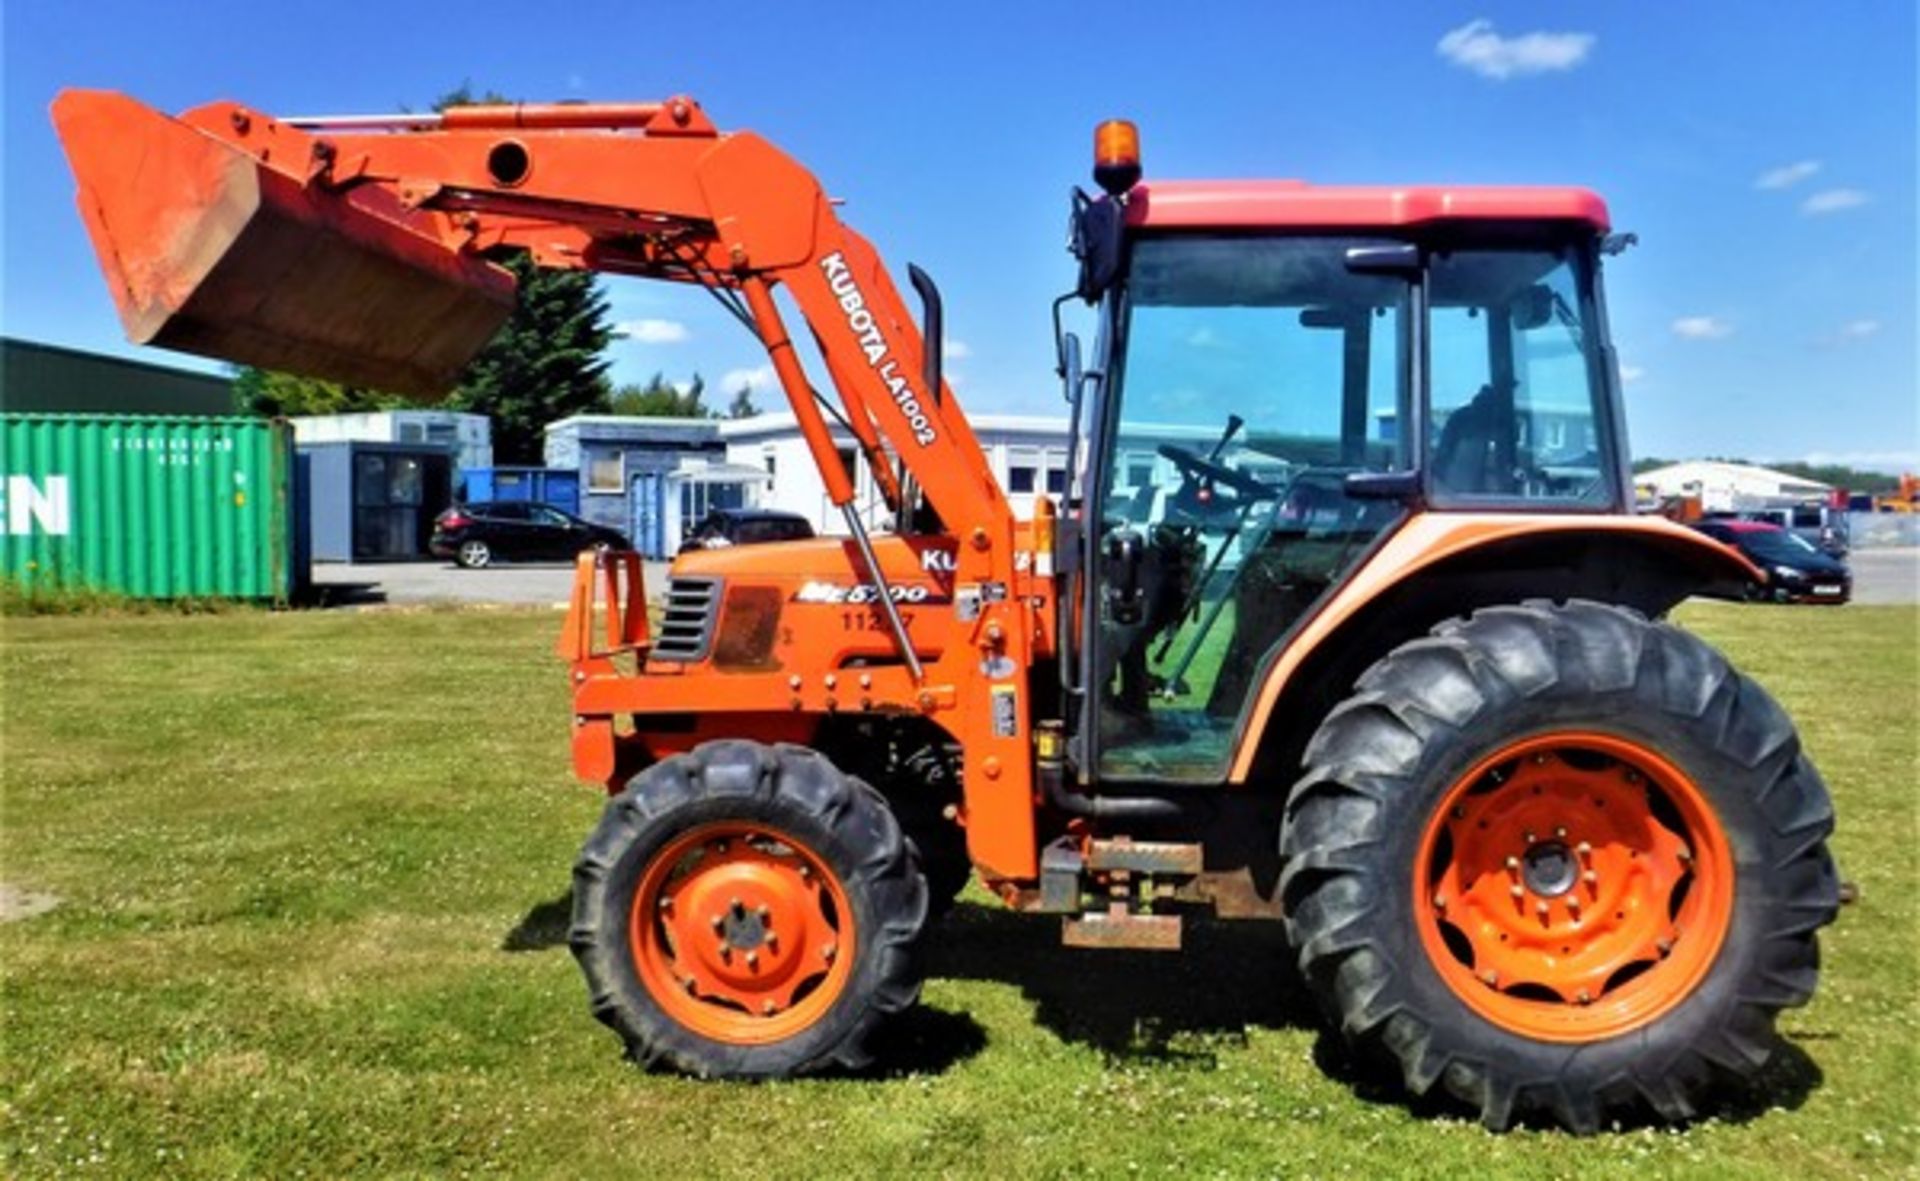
<point x="1879" y="576"/>
<point x="544" y="584"/>
<point x="1885" y="575"/>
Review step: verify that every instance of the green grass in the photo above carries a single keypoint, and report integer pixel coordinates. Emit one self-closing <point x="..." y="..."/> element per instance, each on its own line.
<point x="314" y="867"/>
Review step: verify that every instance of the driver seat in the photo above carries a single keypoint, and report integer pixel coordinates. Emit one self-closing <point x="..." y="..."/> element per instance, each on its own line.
<point x="1466" y="458"/>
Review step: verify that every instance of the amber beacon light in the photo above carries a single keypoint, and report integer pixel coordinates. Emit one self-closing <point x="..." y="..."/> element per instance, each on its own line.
<point x="1116" y="155"/>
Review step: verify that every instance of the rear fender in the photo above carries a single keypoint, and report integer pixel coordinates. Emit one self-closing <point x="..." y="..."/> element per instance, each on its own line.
<point x="1441" y="565"/>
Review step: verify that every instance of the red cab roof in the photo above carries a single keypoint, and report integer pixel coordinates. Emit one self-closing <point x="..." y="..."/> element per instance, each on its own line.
<point x="1184" y="204"/>
<point x="1748" y="526"/>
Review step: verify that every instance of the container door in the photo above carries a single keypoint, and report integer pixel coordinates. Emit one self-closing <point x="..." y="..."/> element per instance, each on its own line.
<point x="646" y="504"/>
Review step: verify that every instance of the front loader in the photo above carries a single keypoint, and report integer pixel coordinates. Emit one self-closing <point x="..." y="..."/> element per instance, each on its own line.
<point x="1343" y="621"/>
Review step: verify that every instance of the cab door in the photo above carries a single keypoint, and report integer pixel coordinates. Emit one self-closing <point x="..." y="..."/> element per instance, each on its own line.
<point x="1260" y="391"/>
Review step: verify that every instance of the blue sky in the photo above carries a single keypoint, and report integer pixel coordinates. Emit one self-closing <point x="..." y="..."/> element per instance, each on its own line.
<point x="1765" y="154"/>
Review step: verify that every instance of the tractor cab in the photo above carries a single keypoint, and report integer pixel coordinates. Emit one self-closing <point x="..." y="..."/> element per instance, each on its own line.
<point x="1282" y="375"/>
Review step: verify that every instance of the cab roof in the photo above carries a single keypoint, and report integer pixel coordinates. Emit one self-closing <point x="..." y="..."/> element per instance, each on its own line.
<point x="1280" y="204"/>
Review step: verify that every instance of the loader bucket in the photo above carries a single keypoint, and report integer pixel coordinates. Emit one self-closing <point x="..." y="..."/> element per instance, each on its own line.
<point x="214" y="250"/>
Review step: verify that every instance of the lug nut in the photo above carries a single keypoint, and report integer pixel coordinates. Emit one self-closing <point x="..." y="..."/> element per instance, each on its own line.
<point x="763" y="914"/>
<point x="1573" y="903"/>
<point x="773" y="941"/>
<point x="1542" y="908"/>
<point x="666" y="904"/>
<point x="717" y="923"/>
<point x="1490" y="978"/>
<point x="1439" y="902"/>
<point x="1685" y="855"/>
<point x="1590" y="877"/>
<point x="1584" y="849"/>
<point x="828" y="952"/>
<point x="753" y="959"/>
<point x="1513" y="863"/>
<point x="1665" y="946"/>
<point x="1528" y="835"/>
<point x="1584" y="997"/>
<point x="1560" y="830"/>
<point x="768" y="1008"/>
<point x="688" y="985"/>
<point x="1517" y="891"/>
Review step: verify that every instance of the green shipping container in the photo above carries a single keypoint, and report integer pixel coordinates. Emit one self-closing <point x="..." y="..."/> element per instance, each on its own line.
<point x="148" y="506"/>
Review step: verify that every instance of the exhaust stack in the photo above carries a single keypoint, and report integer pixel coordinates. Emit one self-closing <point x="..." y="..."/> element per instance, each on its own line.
<point x="241" y="256"/>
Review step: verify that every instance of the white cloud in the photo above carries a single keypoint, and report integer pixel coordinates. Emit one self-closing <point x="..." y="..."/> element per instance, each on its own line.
<point x="759" y="379"/>
<point x="1852" y="332"/>
<point x="1702" y="328"/>
<point x="1631" y="373"/>
<point x="1787" y="175"/>
<point x="1833" y="201"/>
<point x="652" y="331"/>
<point x="1475" y="46"/>
<point x="955" y="350"/>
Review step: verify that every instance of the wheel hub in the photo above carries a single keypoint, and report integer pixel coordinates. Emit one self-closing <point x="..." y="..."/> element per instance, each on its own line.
<point x="1549" y="869"/>
<point x="1560" y="876"/>
<point x="738" y="932"/>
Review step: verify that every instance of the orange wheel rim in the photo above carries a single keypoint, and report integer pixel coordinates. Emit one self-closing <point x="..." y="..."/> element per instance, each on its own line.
<point x="741" y="933"/>
<point x="1573" y="886"/>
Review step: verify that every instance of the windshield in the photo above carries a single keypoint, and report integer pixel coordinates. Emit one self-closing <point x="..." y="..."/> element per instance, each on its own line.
<point x="1776" y="545"/>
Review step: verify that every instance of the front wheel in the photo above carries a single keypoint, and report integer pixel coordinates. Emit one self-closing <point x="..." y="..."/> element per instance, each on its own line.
<point x="1560" y="861"/>
<point x="747" y="911"/>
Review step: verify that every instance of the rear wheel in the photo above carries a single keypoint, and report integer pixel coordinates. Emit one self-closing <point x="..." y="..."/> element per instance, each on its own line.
<point x="473" y="554"/>
<point x="747" y="911"/>
<point x="1562" y="861"/>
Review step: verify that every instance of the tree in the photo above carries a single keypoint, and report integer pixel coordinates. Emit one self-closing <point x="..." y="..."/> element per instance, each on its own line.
<point x="742" y="405"/>
<point x="544" y="364"/>
<point x="284" y="395"/>
<point x="660" y="398"/>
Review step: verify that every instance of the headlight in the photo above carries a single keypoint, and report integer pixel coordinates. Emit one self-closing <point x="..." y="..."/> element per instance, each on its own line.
<point x="1786" y="573"/>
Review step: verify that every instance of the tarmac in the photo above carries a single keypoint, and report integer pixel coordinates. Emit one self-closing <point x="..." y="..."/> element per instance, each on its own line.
<point x="1880" y="576"/>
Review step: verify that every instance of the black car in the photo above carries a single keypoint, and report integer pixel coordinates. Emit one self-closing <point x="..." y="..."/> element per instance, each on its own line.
<point x="1797" y="571"/>
<point x="746" y="526"/>
<point x="481" y="533"/>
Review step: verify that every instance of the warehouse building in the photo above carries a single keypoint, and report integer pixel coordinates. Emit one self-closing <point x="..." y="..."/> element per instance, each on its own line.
<point x="1729" y="487"/>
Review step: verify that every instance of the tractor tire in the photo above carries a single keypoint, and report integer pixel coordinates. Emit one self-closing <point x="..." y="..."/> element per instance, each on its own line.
<point x="748" y="911"/>
<point x="1562" y="861"/>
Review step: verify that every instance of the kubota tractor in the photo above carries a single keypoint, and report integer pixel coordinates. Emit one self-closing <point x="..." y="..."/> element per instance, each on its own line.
<point x="1342" y="619"/>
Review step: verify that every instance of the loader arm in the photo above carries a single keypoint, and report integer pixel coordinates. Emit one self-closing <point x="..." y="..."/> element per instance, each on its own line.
<point x="651" y="190"/>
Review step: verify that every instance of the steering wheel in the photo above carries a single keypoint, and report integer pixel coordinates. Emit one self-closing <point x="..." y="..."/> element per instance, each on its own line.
<point x="1199" y="470"/>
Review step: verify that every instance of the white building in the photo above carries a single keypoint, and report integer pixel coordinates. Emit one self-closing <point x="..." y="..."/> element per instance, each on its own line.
<point x="1729" y="487"/>
<point x="470" y="436"/>
<point x="1027" y="454"/>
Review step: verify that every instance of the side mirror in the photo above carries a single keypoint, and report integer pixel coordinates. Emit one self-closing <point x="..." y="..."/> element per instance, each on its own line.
<point x="1096" y="236"/>
<point x="1532" y="308"/>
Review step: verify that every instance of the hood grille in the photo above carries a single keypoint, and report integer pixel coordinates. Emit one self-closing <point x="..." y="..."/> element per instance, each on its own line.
<point x="686" y="626"/>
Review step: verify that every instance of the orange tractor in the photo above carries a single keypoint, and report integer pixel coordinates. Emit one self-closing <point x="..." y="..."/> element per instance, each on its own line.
<point x="1343" y="619"/>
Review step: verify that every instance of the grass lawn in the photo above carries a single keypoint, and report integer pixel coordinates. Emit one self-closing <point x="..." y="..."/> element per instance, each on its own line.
<point x="314" y="866"/>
